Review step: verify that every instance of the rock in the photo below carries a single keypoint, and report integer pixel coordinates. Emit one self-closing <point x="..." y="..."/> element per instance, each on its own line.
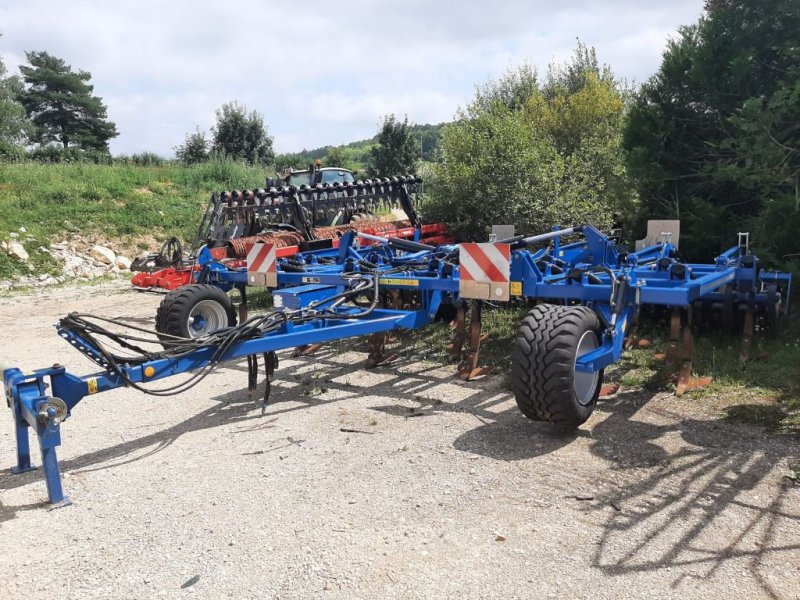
<point x="102" y="254"/>
<point x="123" y="262"/>
<point x="23" y="230"/>
<point x="18" y="250"/>
<point x="13" y="235"/>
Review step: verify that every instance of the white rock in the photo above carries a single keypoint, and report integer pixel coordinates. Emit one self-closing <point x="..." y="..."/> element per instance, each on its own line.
<point x="102" y="254"/>
<point x="13" y="235"/>
<point x="23" y="230"/>
<point x="17" y="249"/>
<point x="123" y="262"/>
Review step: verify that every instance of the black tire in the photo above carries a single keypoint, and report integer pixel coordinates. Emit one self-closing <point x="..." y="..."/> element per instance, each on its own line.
<point x="177" y="307"/>
<point x="543" y="364"/>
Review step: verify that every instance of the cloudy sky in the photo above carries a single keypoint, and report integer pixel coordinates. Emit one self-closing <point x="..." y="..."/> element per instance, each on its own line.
<point x="320" y="73"/>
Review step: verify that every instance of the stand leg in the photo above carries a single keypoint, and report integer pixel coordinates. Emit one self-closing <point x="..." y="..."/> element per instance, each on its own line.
<point x="52" y="476"/>
<point x="23" y="449"/>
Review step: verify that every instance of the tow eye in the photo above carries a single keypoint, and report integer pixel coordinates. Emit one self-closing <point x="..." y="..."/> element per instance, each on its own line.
<point x="51" y="411"/>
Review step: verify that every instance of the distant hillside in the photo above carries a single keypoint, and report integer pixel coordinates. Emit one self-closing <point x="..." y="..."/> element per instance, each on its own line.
<point x="355" y="155"/>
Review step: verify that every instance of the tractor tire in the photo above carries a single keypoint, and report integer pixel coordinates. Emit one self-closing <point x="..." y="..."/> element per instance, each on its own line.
<point x="546" y="385"/>
<point x="193" y="311"/>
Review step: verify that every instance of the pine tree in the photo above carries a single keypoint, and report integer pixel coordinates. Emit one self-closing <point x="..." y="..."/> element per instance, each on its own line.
<point x="60" y="103"/>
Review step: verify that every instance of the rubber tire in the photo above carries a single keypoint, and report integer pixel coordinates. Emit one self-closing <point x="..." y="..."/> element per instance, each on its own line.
<point x="543" y="359"/>
<point x="173" y="313"/>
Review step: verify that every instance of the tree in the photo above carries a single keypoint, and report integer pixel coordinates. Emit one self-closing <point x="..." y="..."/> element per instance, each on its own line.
<point x="535" y="156"/>
<point x="14" y="124"/>
<point x="335" y="157"/>
<point x="60" y="103"/>
<point x="194" y="148"/>
<point x="713" y="136"/>
<point x="396" y="151"/>
<point x="242" y="135"/>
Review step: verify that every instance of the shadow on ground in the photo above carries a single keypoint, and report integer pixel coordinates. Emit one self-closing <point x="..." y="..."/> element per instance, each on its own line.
<point x="681" y="480"/>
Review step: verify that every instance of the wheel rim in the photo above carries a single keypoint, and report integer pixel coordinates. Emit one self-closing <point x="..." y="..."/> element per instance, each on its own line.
<point x="585" y="384"/>
<point x="206" y="317"/>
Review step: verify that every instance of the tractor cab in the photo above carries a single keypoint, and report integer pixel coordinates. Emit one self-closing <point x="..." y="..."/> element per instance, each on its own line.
<point x="314" y="175"/>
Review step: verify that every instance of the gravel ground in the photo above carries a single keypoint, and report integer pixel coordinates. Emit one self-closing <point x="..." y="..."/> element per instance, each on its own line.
<point x="440" y="489"/>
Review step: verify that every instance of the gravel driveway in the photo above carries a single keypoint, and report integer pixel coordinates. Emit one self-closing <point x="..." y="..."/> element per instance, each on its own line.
<point x="400" y="482"/>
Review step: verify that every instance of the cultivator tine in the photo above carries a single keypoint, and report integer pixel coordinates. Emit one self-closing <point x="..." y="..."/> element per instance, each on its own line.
<point x="747" y="333"/>
<point x="469" y="369"/>
<point x="270" y="365"/>
<point x="459" y="332"/>
<point x="377" y="343"/>
<point x="252" y="375"/>
<point x="673" y="350"/>
<point x="687" y="355"/>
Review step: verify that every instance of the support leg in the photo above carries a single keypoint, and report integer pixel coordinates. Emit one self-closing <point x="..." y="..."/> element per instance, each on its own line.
<point x="23" y="449"/>
<point x="52" y="476"/>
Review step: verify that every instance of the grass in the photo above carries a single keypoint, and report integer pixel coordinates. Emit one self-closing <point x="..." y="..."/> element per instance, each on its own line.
<point x="765" y="390"/>
<point x="115" y="201"/>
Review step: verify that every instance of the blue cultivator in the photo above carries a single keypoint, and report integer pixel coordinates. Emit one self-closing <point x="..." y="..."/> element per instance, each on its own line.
<point x="589" y="294"/>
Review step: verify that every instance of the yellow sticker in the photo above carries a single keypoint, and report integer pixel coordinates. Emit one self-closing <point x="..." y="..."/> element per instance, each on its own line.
<point x="91" y="383"/>
<point x="408" y="282"/>
<point x="516" y="288"/>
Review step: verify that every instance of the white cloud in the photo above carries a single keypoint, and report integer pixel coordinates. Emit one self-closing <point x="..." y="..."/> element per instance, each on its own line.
<point x="320" y="75"/>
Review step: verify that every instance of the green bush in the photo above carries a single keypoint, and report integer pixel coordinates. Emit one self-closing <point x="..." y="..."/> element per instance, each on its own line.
<point x="535" y="156"/>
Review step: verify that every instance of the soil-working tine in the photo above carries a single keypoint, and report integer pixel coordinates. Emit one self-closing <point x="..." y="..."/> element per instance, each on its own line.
<point x="747" y="333"/>
<point x="673" y="349"/>
<point x="270" y="365"/>
<point x="687" y="356"/>
<point x="243" y="305"/>
<point x="469" y="368"/>
<point x="459" y="332"/>
<point x="377" y="344"/>
<point x="252" y="374"/>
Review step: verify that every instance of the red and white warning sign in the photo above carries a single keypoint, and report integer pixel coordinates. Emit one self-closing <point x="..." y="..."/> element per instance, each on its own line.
<point x="262" y="269"/>
<point x="484" y="271"/>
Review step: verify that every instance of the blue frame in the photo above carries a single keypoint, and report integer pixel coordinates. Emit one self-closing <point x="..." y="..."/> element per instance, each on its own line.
<point x="593" y="272"/>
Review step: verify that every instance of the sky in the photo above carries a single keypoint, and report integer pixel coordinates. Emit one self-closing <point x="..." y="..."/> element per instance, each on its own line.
<point x="320" y="73"/>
